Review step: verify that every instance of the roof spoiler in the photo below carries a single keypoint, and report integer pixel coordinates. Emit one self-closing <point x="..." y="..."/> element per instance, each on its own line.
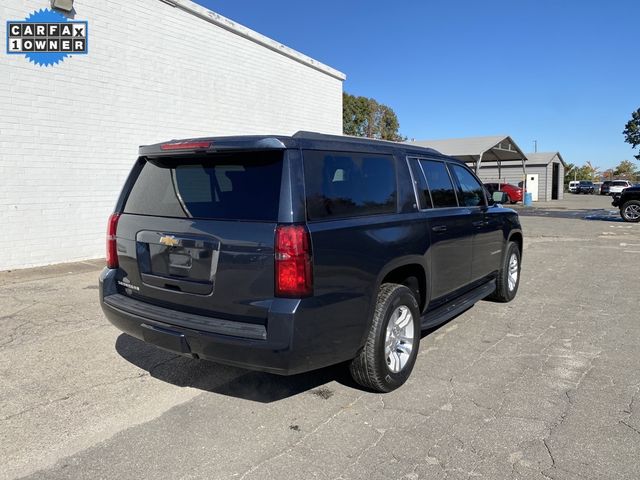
<point x="211" y="145"/>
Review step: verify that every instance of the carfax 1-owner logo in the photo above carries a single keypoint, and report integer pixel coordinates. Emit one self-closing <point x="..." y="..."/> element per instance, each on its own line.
<point x="46" y="37"/>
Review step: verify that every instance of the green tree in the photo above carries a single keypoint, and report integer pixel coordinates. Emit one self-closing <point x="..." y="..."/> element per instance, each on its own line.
<point x="355" y="115"/>
<point x="389" y="125"/>
<point x="626" y="169"/>
<point x="631" y="131"/>
<point x="569" y="173"/>
<point x="365" y="117"/>
<point x="608" y="174"/>
<point x="585" y="172"/>
<point x="591" y="171"/>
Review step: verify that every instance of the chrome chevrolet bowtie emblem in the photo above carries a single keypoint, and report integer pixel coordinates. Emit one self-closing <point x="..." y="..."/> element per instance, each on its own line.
<point x="169" y="240"/>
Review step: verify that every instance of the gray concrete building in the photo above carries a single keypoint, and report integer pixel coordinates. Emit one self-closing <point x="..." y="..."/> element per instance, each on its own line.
<point x="154" y="70"/>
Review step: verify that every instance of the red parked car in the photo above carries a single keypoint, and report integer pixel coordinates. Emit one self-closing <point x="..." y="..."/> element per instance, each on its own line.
<point x="514" y="193"/>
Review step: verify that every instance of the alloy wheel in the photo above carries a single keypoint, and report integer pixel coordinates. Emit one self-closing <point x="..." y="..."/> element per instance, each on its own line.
<point x="398" y="343"/>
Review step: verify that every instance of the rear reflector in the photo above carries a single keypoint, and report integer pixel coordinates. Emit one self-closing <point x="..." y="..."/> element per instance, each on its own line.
<point x="185" y="145"/>
<point x="294" y="278"/>
<point x="112" y="251"/>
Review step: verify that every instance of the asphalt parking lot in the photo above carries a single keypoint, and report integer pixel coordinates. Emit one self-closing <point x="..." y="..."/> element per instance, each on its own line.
<point x="544" y="387"/>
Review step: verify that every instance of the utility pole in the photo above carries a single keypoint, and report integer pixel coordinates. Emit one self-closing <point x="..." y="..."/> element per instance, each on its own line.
<point x="535" y="146"/>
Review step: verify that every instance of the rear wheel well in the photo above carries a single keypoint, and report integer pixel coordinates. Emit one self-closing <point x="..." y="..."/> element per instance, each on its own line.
<point x="517" y="237"/>
<point x="413" y="277"/>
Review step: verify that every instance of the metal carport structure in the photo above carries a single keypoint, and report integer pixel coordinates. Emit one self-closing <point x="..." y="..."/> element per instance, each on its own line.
<point x="489" y="151"/>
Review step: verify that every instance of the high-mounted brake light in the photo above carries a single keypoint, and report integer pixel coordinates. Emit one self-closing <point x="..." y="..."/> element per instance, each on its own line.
<point x="112" y="251"/>
<point x="185" y="145"/>
<point x="294" y="275"/>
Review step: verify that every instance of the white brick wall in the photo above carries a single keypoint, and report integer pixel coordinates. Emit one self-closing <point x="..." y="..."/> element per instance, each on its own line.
<point x="69" y="133"/>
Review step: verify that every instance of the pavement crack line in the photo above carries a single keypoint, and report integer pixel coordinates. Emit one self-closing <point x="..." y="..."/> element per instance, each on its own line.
<point x="481" y="355"/>
<point x="20" y="310"/>
<point x="300" y="440"/>
<point x="567" y="410"/>
<point x="14" y="332"/>
<point x="163" y="362"/>
<point x="52" y="337"/>
<point x="374" y="444"/>
<point x="551" y="457"/>
<point x="629" y="409"/>
<point x="630" y="426"/>
<point x="69" y="396"/>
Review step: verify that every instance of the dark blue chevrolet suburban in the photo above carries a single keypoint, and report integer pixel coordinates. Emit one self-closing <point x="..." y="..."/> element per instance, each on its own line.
<point x="287" y="254"/>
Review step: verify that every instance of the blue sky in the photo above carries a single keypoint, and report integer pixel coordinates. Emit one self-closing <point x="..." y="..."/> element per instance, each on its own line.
<point x="563" y="72"/>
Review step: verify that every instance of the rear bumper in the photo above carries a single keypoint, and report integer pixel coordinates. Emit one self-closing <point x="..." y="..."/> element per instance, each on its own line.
<point x="233" y="343"/>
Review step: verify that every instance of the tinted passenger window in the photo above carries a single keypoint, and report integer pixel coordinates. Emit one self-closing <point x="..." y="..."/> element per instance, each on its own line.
<point x="422" y="189"/>
<point x="440" y="186"/>
<point x="348" y="184"/>
<point x="229" y="187"/>
<point x="471" y="191"/>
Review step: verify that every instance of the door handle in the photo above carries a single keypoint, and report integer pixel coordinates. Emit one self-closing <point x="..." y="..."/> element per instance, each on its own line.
<point x="480" y="223"/>
<point x="439" y="228"/>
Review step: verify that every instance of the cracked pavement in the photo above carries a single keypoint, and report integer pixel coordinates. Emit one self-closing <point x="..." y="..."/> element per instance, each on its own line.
<point x="545" y="387"/>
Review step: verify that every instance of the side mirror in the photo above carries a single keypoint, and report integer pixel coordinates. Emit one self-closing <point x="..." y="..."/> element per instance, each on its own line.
<point x="487" y="194"/>
<point x="500" y="197"/>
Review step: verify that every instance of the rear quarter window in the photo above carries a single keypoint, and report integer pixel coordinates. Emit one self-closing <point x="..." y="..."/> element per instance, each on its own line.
<point x="339" y="185"/>
<point x="242" y="186"/>
<point x="440" y="184"/>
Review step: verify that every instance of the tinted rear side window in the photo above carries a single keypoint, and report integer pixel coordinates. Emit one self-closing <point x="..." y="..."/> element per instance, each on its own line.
<point x="422" y="189"/>
<point x="440" y="186"/>
<point x="348" y="184"/>
<point x="242" y="186"/>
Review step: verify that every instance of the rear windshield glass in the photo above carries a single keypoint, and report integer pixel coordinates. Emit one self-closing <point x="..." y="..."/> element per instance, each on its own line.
<point x="242" y="186"/>
<point x="348" y="184"/>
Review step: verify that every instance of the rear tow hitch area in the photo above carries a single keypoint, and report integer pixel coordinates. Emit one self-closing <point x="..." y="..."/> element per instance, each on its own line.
<point x="167" y="339"/>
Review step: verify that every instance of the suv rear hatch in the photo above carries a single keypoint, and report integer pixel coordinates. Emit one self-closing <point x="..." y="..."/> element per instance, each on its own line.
<point x="196" y="233"/>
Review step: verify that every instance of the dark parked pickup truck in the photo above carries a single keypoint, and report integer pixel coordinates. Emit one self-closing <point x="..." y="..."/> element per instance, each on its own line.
<point x="287" y="254"/>
<point x="585" y="186"/>
<point x="629" y="203"/>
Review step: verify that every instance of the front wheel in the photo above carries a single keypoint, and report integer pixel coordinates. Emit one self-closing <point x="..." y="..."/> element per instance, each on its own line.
<point x="509" y="275"/>
<point x="630" y="211"/>
<point x="389" y="354"/>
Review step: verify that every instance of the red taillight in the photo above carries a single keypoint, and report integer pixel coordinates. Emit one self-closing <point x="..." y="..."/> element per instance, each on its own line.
<point x="185" y="145"/>
<point x="294" y="277"/>
<point x="112" y="252"/>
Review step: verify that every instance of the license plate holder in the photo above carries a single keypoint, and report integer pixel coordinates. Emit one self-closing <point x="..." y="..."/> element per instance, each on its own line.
<point x="180" y="260"/>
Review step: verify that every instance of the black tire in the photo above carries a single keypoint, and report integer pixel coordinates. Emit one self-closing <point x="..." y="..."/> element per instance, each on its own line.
<point x="370" y="368"/>
<point x="630" y="211"/>
<point x="505" y="292"/>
